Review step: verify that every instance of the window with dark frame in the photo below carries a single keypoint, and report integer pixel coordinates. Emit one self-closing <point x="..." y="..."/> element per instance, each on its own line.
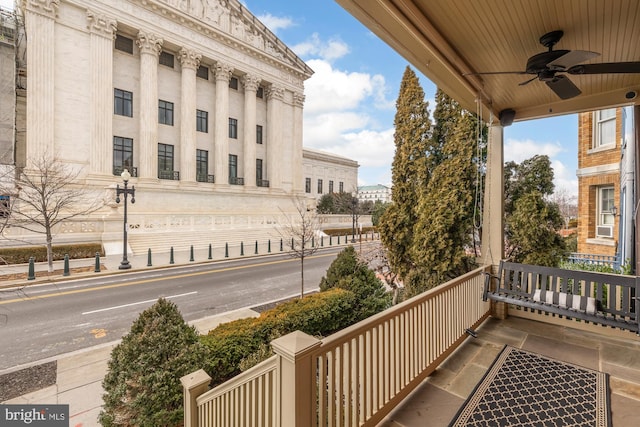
<point x="260" y="92"/>
<point x="233" y="128"/>
<point x="341" y="187"/>
<point x="233" y="167"/>
<point x="202" y="165"/>
<point x="258" y="134"/>
<point x="165" y="112"/>
<point x="319" y="186"/>
<point x="258" y="171"/>
<point x="233" y="83"/>
<point x="203" y="72"/>
<point x="166" y="59"/>
<point x="165" y="161"/>
<point x="330" y="186"/>
<point x="202" y="121"/>
<point x="122" y="103"/>
<point x="124" y="44"/>
<point x="122" y="155"/>
<point x="307" y="185"/>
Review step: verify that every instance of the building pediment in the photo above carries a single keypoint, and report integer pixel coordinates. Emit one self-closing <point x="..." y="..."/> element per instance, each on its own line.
<point x="231" y="20"/>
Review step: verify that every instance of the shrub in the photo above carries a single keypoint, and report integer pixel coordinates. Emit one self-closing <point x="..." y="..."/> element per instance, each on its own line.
<point x="238" y="345"/>
<point x="348" y="273"/>
<point x="142" y="384"/>
<point x="21" y="255"/>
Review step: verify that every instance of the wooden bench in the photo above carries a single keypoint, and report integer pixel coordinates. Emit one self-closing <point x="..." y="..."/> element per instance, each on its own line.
<point x="601" y="298"/>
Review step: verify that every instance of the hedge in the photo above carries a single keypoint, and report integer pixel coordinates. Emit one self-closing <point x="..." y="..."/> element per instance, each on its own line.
<point x="21" y="255"/>
<point x="347" y="231"/>
<point x="317" y="314"/>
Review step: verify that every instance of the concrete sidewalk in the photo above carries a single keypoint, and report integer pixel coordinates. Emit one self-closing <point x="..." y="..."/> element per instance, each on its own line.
<point x="80" y="374"/>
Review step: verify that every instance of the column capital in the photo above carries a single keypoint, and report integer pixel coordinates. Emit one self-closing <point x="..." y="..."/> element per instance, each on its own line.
<point x="43" y="7"/>
<point x="298" y="99"/>
<point x="223" y="72"/>
<point x="149" y="43"/>
<point x="190" y="58"/>
<point x="251" y="82"/>
<point x="275" y="93"/>
<point x="101" y="24"/>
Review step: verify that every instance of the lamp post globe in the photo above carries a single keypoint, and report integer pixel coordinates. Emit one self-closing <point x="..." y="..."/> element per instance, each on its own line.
<point x="126" y="176"/>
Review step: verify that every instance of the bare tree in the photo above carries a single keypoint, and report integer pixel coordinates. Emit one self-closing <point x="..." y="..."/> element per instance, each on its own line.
<point x="299" y="232"/>
<point x="567" y="204"/>
<point x="46" y="194"/>
<point x="375" y="256"/>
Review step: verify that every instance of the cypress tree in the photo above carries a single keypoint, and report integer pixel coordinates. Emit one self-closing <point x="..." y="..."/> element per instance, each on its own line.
<point x="412" y="132"/>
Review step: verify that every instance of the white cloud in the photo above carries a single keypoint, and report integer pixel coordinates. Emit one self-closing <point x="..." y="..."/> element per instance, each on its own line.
<point x="275" y="23"/>
<point x="315" y="47"/>
<point x="519" y="150"/>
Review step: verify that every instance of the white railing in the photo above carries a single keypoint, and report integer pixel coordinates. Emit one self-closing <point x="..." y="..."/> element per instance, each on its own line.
<point x="354" y="377"/>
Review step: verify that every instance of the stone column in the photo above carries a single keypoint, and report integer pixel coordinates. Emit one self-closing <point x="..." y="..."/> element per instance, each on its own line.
<point x="221" y="124"/>
<point x="150" y="48"/>
<point x="297" y="172"/>
<point x="250" y="83"/>
<point x="275" y="95"/>
<point x="492" y="223"/>
<point x="40" y="18"/>
<point x="190" y="61"/>
<point x="103" y="32"/>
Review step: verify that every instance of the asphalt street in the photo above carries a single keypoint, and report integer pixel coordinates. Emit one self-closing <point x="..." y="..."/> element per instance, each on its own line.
<point x="45" y="320"/>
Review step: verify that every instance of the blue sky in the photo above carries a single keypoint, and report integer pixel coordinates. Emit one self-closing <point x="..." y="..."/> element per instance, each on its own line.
<point x="350" y="100"/>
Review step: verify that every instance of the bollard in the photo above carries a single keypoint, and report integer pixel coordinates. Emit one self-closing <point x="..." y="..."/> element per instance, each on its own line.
<point x="191" y="254"/>
<point x="66" y="265"/>
<point x="293" y="244"/>
<point x="97" y="267"/>
<point x="321" y="241"/>
<point x="281" y="245"/>
<point x="210" y="252"/>
<point x="313" y="245"/>
<point x="32" y="269"/>
<point x="269" y="246"/>
<point x="149" y="264"/>
<point x="256" y="253"/>
<point x="330" y="240"/>
<point x="338" y="239"/>
<point x="241" y="248"/>
<point x="226" y="250"/>
<point x="171" y="261"/>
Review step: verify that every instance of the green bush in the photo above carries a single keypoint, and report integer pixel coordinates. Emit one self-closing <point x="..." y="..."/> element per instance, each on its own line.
<point x="346" y="231"/>
<point x="237" y="343"/>
<point x="21" y="255"/>
<point x="142" y="385"/>
<point x="348" y="273"/>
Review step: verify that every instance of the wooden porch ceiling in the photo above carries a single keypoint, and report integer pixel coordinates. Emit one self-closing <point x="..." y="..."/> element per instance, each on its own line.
<point x="447" y="40"/>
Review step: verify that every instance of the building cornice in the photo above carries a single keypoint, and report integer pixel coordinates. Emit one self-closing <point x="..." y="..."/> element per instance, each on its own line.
<point x="598" y="170"/>
<point x="327" y="157"/>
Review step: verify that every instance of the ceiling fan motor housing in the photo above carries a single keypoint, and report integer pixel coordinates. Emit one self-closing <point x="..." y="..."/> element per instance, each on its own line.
<point x="538" y="63"/>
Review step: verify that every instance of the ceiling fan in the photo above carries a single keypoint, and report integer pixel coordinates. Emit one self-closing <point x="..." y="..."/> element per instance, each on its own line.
<point x="548" y="66"/>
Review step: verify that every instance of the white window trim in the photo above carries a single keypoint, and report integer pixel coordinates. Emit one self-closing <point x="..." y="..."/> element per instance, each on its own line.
<point x="600" y="213"/>
<point x="595" y="143"/>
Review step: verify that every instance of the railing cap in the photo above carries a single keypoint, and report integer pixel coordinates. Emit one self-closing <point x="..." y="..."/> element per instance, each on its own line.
<point x="294" y="345"/>
<point x="195" y="379"/>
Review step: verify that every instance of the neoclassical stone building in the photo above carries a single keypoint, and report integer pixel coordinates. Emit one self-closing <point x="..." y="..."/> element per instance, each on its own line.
<point x="196" y="98"/>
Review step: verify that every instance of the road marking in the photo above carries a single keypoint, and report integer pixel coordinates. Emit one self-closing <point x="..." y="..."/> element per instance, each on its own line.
<point x="138" y="282"/>
<point x="136" y="303"/>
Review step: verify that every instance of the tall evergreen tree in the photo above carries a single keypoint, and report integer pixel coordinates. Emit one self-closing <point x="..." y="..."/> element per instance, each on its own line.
<point x="444" y="229"/>
<point x="408" y="170"/>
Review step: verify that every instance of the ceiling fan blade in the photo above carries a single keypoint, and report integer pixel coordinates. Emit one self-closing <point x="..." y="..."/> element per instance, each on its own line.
<point x="526" y="82"/>
<point x="563" y="87"/>
<point x="573" y="57"/>
<point x="606" y="68"/>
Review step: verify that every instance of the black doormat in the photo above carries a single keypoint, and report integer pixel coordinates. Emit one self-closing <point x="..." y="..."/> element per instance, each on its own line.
<point x="526" y="389"/>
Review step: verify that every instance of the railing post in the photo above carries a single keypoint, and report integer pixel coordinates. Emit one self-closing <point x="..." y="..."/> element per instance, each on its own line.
<point x="194" y="385"/>
<point x="297" y="376"/>
<point x="66" y="265"/>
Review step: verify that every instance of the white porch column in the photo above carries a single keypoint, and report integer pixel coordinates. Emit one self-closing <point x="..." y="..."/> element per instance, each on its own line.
<point x="190" y="61"/>
<point x="492" y="216"/>
<point x="221" y="124"/>
<point x="39" y="25"/>
<point x="250" y="83"/>
<point x="103" y="32"/>
<point x="296" y="171"/>
<point x="275" y="96"/>
<point x="150" y="48"/>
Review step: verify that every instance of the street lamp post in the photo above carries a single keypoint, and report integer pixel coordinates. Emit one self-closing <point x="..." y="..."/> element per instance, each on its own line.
<point x="354" y="205"/>
<point x="124" y="264"/>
